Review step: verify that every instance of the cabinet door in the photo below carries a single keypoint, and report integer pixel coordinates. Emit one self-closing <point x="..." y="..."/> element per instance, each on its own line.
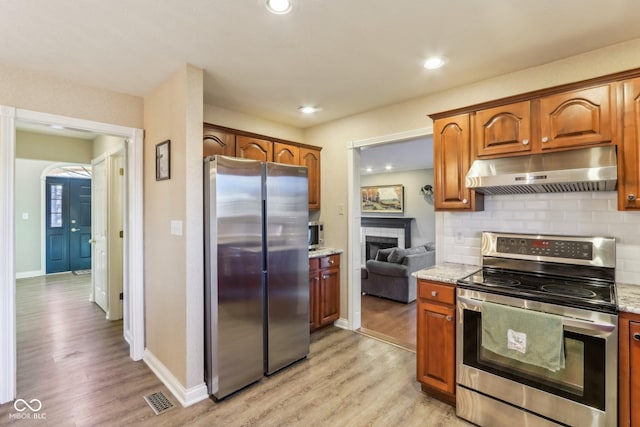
<point x="436" y="346"/>
<point x="329" y="295"/>
<point x="451" y="162"/>
<point x="581" y="117"/>
<point x="629" y="157"/>
<point x="311" y="159"/>
<point x="254" y="148"/>
<point x="634" y="363"/>
<point x="217" y="142"/>
<point x="287" y="154"/>
<point x="503" y="130"/>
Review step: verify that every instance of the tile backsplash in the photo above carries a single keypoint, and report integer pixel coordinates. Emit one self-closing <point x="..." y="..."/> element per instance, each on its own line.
<point x="583" y="214"/>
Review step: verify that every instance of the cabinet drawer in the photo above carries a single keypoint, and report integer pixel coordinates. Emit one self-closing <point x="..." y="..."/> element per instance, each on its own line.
<point x="330" y="261"/>
<point x="436" y="292"/>
<point x="314" y="263"/>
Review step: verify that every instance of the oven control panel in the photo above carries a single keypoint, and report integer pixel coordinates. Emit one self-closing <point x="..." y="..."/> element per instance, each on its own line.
<point x="569" y="249"/>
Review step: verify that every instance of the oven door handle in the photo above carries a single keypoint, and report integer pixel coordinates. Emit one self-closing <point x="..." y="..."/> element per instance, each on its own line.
<point x="571" y="322"/>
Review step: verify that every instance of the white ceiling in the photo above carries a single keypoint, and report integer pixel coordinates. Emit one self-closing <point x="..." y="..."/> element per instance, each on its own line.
<point x="345" y="56"/>
<point x="399" y="156"/>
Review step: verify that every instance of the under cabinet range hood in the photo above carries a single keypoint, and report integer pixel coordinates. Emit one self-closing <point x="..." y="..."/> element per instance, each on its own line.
<point x="585" y="169"/>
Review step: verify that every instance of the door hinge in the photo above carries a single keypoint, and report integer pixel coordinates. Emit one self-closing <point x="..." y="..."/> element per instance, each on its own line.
<point x="122" y="171"/>
<point x="121" y="234"/>
<point x="121" y="296"/>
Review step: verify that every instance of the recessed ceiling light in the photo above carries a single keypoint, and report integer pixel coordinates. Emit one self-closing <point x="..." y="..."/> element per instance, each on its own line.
<point x="435" y="62"/>
<point x="279" y="7"/>
<point x="309" y="110"/>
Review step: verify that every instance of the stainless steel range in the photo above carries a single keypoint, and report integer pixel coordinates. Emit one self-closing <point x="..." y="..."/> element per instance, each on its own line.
<point x="536" y="336"/>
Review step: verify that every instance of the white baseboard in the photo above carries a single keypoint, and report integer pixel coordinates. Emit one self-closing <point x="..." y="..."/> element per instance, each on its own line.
<point x="342" y="323"/>
<point x="186" y="397"/>
<point x="27" y="274"/>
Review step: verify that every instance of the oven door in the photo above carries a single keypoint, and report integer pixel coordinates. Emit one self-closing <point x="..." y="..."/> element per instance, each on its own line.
<point x="579" y="394"/>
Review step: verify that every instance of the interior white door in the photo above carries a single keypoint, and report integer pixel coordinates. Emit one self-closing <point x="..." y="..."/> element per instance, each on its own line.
<point x="99" y="213"/>
<point x="116" y="194"/>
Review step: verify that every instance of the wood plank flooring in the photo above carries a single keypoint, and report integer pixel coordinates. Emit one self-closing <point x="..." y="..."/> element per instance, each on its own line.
<point x="77" y="364"/>
<point x="390" y="321"/>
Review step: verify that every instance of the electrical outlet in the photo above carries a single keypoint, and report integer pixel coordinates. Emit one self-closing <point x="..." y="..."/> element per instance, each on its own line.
<point x="459" y="237"/>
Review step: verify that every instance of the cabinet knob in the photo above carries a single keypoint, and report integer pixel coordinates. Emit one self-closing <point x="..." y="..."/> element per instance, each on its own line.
<point x="631" y="197"/>
<point x="636" y="336"/>
<point x="434" y="293"/>
<point x="545" y="139"/>
<point x="324" y="276"/>
<point x="465" y="201"/>
<point x="525" y="142"/>
<point x="448" y="318"/>
<point x="330" y="261"/>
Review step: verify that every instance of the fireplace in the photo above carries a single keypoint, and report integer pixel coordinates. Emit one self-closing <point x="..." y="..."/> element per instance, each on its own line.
<point x="383" y="232"/>
<point x="374" y="243"/>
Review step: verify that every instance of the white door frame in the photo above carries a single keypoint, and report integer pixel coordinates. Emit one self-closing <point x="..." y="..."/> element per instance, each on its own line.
<point x="133" y="234"/>
<point x="353" y="200"/>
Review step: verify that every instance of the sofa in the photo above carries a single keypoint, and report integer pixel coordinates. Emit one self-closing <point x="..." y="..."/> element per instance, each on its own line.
<point x="389" y="274"/>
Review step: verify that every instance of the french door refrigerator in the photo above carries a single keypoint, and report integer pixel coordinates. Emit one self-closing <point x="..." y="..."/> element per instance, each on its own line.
<point x="256" y="270"/>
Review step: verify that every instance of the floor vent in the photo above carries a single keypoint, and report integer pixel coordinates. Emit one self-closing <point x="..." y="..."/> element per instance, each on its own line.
<point x="159" y="402"/>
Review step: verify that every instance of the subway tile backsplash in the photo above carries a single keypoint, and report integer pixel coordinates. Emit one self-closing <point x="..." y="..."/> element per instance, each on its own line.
<point x="584" y="214"/>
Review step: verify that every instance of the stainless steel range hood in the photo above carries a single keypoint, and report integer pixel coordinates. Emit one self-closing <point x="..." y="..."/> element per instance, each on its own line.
<point x="586" y="169"/>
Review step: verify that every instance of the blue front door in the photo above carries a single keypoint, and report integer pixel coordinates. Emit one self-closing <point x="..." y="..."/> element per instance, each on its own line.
<point x="68" y="224"/>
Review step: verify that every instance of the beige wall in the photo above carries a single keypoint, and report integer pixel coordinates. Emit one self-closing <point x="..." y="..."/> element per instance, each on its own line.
<point x="103" y="144"/>
<point x="410" y="115"/>
<point x="36" y="91"/>
<point x="173" y="293"/>
<point x="31" y="145"/>
<point x="234" y="120"/>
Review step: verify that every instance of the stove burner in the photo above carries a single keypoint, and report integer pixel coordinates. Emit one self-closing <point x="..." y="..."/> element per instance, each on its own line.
<point x="496" y="281"/>
<point x="568" y="291"/>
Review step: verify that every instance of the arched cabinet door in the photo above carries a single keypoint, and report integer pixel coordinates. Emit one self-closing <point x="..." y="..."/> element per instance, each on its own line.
<point x="451" y="149"/>
<point x="581" y="117"/>
<point x="311" y="159"/>
<point x="286" y="154"/>
<point x="254" y="148"/>
<point x="629" y="151"/>
<point x="502" y="130"/>
<point x="216" y="141"/>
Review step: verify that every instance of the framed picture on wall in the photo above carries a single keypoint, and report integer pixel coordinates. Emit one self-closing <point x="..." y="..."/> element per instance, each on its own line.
<point x="382" y="199"/>
<point x="163" y="160"/>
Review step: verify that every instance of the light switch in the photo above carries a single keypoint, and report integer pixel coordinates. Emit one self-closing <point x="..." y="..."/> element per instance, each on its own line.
<point x="341" y="209"/>
<point x="25" y="215"/>
<point x="176" y="227"/>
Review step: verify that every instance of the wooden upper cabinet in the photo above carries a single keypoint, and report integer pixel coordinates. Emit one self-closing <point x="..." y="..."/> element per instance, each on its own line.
<point x="254" y="148"/>
<point x="629" y="152"/>
<point x="216" y="141"/>
<point x="285" y="153"/>
<point x="581" y="117"/>
<point x="451" y="149"/>
<point x="504" y="129"/>
<point x="311" y="159"/>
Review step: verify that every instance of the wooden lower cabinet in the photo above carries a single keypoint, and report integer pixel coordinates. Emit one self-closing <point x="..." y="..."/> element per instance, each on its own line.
<point x="436" y="351"/>
<point x="324" y="291"/>
<point x="629" y="370"/>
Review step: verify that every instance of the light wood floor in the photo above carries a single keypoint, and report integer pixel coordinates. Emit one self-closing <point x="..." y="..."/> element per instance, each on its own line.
<point x="390" y="321"/>
<point x="77" y="364"/>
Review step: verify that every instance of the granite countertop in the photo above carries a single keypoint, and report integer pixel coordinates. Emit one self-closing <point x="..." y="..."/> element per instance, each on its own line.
<point x="447" y="272"/>
<point x="317" y="253"/>
<point x="628" y="297"/>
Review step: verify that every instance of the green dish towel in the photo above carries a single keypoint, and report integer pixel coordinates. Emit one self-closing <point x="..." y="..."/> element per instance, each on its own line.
<point x="528" y="336"/>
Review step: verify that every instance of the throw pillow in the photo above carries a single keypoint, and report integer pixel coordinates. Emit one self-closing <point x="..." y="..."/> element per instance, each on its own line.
<point x="397" y="255"/>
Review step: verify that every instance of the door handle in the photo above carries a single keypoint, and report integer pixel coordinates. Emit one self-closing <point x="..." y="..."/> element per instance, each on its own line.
<point x="73" y="230"/>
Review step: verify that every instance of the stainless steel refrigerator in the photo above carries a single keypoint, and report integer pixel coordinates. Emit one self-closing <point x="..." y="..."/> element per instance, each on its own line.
<point x="256" y="270"/>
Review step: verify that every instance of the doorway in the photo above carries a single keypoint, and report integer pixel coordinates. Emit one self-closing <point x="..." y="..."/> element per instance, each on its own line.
<point x="355" y="215"/>
<point x="132" y="245"/>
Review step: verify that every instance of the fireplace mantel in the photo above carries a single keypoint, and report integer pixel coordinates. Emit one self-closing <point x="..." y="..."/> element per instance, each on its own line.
<point x="389" y="222"/>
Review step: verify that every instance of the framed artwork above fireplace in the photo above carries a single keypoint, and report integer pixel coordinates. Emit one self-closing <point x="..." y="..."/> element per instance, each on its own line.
<point x="382" y="199"/>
